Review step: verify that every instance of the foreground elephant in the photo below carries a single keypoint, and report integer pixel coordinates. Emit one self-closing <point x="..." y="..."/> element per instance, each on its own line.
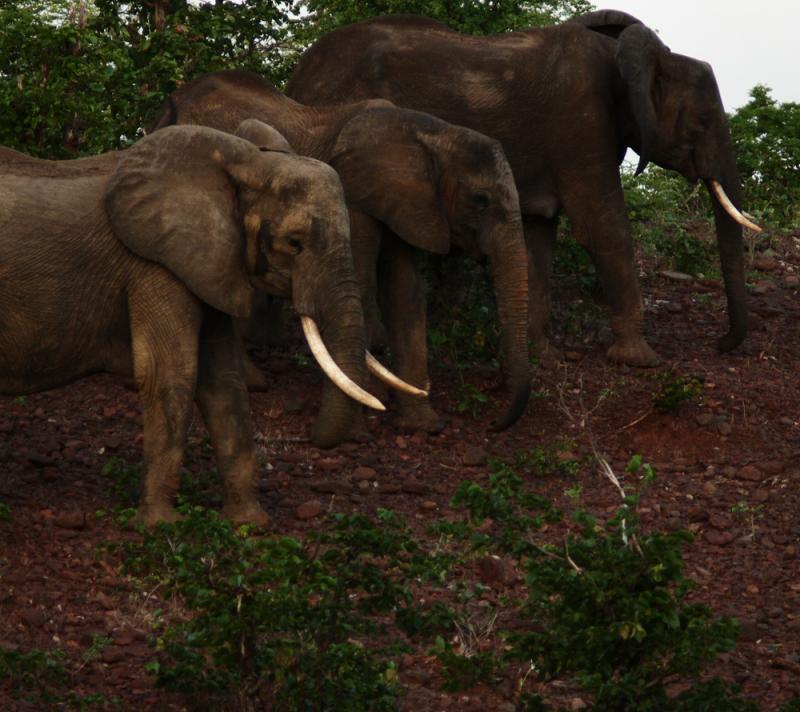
<point x="135" y="262"/>
<point x="565" y="102"/>
<point x="411" y="181"/>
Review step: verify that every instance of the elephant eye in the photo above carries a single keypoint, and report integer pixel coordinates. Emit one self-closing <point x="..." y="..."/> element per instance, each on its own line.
<point x="296" y="244"/>
<point x="480" y="200"/>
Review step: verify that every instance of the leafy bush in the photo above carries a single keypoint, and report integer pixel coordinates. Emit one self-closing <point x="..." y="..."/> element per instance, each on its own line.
<point x="608" y="606"/>
<point x="278" y="620"/>
<point x="674" y="390"/>
<point x="767" y="139"/>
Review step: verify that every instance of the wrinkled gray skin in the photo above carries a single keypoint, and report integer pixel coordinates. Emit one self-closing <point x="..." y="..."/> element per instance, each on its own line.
<point x="565" y="102"/>
<point x="136" y="262"/>
<point x="412" y="182"/>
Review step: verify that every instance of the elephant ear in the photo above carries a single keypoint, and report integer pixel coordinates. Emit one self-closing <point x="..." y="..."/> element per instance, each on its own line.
<point x="263" y="135"/>
<point x="172" y="200"/>
<point x="606" y="22"/>
<point x="389" y="172"/>
<point x="639" y="55"/>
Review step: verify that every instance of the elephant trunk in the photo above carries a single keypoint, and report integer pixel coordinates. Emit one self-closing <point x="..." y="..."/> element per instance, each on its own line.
<point x="731" y="255"/>
<point x="509" y="268"/>
<point x="340" y="317"/>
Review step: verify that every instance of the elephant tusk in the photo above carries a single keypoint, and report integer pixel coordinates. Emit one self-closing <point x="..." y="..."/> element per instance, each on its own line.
<point x="332" y="370"/>
<point x="730" y="208"/>
<point x="379" y="370"/>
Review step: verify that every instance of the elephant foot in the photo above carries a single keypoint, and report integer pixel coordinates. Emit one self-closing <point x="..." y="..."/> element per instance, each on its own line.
<point x="254" y="377"/>
<point x="633" y="352"/>
<point x="421" y="418"/>
<point x="248" y="512"/>
<point x="358" y="431"/>
<point x="153" y="514"/>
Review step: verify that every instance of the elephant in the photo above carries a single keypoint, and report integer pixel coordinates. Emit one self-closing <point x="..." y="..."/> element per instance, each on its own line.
<point x="135" y="262"/>
<point x="411" y="182"/>
<point x="565" y="102"/>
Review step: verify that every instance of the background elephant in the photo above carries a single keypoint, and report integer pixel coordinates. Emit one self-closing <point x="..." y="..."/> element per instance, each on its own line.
<point x="135" y="263"/>
<point x="411" y="181"/>
<point x="566" y="102"/>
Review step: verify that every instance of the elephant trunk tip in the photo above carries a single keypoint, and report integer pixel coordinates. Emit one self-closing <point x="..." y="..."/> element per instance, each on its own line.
<point x="518" y="404"/>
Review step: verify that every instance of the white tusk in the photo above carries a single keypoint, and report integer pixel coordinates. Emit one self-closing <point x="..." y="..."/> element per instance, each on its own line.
<point x="332" y="371"/>
<point x="387" y="376"/>
<point x="730" y="208"/>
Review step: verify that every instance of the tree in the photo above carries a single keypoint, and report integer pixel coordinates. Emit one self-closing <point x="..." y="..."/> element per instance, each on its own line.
<point x="767" y="138"/>
<point x="79" y="77"/>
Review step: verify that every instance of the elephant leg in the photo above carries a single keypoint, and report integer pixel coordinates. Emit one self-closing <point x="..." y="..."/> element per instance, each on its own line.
<point x="602" y="227"/>
<point x="402" y="300"/>
<point x="165" y="322"/>
<point x="222" y="398"/>
<point x="540" y="240"/>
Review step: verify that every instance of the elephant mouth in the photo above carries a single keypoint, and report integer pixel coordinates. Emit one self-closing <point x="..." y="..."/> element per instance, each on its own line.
<point x="273" y="282"/>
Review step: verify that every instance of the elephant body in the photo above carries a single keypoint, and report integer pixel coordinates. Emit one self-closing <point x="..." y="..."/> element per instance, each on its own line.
<point x="136" y="262"/>
<point x="411" y="182"/>
<point x="565" y="102"/>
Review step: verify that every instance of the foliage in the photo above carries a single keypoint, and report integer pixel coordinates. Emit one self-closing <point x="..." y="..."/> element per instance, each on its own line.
<point x="767" y="138"/>
<point x="39" y="678"/>
<point x="667" y="215"/>
<point x="5" y="512"/>
<point x="609" y="605"/>
<point x="674" y="390"/>
<point x="279" y="620"/>
<point x="80" y="77"/>
<point x="548" y="459"/>
<point x="125" y="481"/>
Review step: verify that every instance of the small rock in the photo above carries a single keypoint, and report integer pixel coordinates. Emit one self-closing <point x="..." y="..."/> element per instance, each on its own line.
<point x="309" y="510"/>
<point x="428" y="506"/>
<point x="112" y="654"/>
<point x="792" y="281"/>
<point x="786" y="421"/>
<point x="704" y="418"/>
<point x="572" y="356"/>
<point x="761" y="495"/>
<point x="718" y="538"/>
<point x="33" y="617"/>
<point x="329" y="464"/>
<point x="763" y="286"/>
<point x="401" y="442"/>
<point x="331" y="487"/>
<point x="389" y="488"/>
<point x="113" y="442"/>
<point x="475" y="457"/>
<point x="720" y="521"/>
<point x="750" y="473"/>
<point x="674" y="307"/>
<point x="772" y="467"/>
<point x="40" y="460"/>
<point x="71" y="519"/>
<point x="766" y="263"/>
<point x="576" y="703"/>
<point x="494" y="570"/>
<point x="710" y="488"/>
<point x="104" y="600"/>
<point x="364" y="473"/>
<point x="748" y="630"/>
<point x="698" y="514"/>
<point x="364" y="485"/>
<point x="414" y="486"/>
<point x="676" y="276"/>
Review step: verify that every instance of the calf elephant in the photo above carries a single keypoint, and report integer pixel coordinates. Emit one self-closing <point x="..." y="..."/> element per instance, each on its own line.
<point x="565" y="102"/>
<point x="412" y="182"/>
<point x="135" y="263"/>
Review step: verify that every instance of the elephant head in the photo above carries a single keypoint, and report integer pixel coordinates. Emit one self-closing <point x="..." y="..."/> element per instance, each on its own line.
<point x="225" y="216"/>
<point x="435" y="184"/>
<point x="680" y="124"/>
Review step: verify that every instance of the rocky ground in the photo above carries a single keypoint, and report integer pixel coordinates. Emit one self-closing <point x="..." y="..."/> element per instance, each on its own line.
<point x="728" y="467"/>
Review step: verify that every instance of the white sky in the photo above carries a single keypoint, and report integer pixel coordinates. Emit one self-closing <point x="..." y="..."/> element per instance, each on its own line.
<point x="747" y="43"/>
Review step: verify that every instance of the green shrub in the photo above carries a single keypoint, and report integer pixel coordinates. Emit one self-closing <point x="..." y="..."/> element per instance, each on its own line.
<point x="278" y="620"/>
